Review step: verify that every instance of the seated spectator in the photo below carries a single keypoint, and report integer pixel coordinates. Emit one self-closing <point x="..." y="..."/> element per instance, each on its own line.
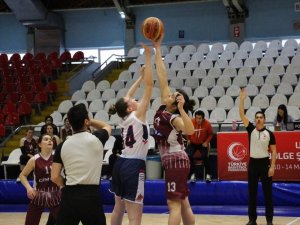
<point x="28" y="146"/>
<point x="55" y="139"/>
<point x="49" y="120"/>
<point x="282" y="118"/>
<point x="66" y="130"/>
<point x="200" y="141"/>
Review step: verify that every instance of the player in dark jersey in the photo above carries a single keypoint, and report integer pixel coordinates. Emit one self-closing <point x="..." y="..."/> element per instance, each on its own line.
<point x="170" y="121"/>
<point x="128" y="175"/>
<point x="44" y="193"/>
<point x="28" y="146"/>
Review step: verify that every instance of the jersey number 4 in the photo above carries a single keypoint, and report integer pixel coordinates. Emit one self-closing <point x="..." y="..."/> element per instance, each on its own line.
<point x="130" y="140"/>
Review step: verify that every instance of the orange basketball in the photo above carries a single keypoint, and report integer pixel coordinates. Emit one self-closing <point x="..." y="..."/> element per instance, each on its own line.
<point x="152" y="28"/>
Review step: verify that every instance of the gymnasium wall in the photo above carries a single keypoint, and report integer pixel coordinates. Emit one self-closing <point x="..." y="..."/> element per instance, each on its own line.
<point x="201" y="22"/>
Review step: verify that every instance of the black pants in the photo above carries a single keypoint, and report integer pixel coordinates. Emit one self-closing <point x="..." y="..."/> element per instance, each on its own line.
<point x="81" y="203"/>
<point x="191" y="149"/>
<point x="258" y="169"/>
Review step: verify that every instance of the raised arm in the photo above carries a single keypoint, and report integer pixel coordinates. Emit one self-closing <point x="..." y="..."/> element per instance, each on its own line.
<point x="98" y="124"/>
<point x="184" y="122"/>
<point x="131" y="92"/>
<point x="243" y="96"/>
<point x="161" y="72"/>
<point x="148" y="80"/>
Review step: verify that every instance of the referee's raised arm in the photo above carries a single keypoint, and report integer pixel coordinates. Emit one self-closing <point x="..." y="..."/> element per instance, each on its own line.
<point x="243" y="96"/>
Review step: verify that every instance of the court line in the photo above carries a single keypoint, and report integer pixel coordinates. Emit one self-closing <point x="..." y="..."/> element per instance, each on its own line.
<point x="295" y="220"/>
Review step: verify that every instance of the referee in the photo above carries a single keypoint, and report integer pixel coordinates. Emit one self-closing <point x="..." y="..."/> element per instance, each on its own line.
<point x="260" y="167"/>
<point x="81" y="156"/>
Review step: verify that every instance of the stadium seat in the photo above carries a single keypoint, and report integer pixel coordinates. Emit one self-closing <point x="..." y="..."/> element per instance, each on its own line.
<point x="78" y="95"/>
<point x="203" y="48"/>
<point x="278" y="99"/>
<point x="247" y="46"/>
<point x="261" y="101"/>
<point x="208" y="102"/>
<point x="95" y="105"/>
<point x="88" y="86"/>
<point x="93" y="94"/>
<point x="232" y="46"/>
<point x="13" y="160"/>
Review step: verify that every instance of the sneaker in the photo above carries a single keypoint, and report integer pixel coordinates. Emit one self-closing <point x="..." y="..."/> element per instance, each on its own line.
<point x="251" y="222"/>
<point x="269" y="223"/>
<point x="193" y="178"/>
<point x="208" y="178"/>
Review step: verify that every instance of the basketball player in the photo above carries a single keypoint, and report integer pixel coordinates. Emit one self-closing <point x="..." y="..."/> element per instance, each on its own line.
<point x="128" y="175"/>
<point x="260" y="168"/>
<point x="170" y="121"/>
<point x="44" y="193"/>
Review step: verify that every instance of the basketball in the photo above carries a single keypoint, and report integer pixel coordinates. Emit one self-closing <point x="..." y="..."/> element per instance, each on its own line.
<point x="152" y="28"/>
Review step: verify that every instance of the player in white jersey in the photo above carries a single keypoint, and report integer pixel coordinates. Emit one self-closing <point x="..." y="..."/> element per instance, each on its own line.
<point x="128" y="175"/>
<point x="170" y="121"/>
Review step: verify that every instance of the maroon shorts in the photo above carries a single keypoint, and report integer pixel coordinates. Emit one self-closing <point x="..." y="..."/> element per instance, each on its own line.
<point x="176" y="179"/>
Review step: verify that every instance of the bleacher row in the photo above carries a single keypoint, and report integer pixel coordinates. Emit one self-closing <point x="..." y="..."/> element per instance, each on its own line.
<point x="27" y="83"/>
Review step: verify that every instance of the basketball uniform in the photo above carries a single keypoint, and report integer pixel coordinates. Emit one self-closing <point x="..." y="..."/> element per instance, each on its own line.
<point x="128" y="175"/>
<point x="29" y="147"/>
<point x="174" y="159"/>
<point x="48" y="193"/>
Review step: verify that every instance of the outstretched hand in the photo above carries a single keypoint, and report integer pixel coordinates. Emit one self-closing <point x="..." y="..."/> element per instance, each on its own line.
<point x="180" y="101"/>
<point x="158" y="42"/>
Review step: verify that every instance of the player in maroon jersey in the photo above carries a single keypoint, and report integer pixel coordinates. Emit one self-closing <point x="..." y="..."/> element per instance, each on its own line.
<point x="170" y="121"/>
<point x="44" y="193"/>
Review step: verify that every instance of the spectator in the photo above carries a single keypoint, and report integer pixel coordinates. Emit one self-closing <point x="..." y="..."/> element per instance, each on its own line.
<point x="282" y="118"/>
<point x="44" y="193"/>
<point x="54" y="138"/>
<point x="49" y="120"/>
<point x="66" y="130"/>
<point x="81" y="155"/>
<point x="28" y="146"/>
<point x="200" y="141"/>
<point x="259" y="168"/>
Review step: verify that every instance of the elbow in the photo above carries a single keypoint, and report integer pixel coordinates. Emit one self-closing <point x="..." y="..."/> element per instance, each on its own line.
<point x="55" y="178"/>
<point x="190" y="131"/>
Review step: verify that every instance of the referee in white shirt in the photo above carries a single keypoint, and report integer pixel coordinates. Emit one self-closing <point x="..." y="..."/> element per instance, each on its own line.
<point x="81" y="156"/>
<point x="261" y="141"/>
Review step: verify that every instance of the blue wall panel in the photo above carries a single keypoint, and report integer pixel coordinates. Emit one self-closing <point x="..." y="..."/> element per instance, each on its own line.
<point x="202" y="22"/>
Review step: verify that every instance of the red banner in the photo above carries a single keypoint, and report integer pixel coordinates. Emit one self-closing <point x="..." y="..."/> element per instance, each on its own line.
<point x="233" y="155"/>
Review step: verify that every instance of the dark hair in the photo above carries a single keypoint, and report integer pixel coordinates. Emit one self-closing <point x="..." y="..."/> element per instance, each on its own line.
<point x="260" y="112"/>
<point x="77" y="115"/>
<point x="49" y="117"/>
<point x="51" y="125"/>
<point x="285" y="114"/>
<point x="30" y="128"/>
<point x="120" y="107"/>
<point x="200" y="113"/>
<point x="40" y="140"/>
<point x="189" y="103"/>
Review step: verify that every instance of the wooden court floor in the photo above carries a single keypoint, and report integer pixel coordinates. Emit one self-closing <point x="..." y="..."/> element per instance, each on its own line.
<point x="161" y="219"/>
